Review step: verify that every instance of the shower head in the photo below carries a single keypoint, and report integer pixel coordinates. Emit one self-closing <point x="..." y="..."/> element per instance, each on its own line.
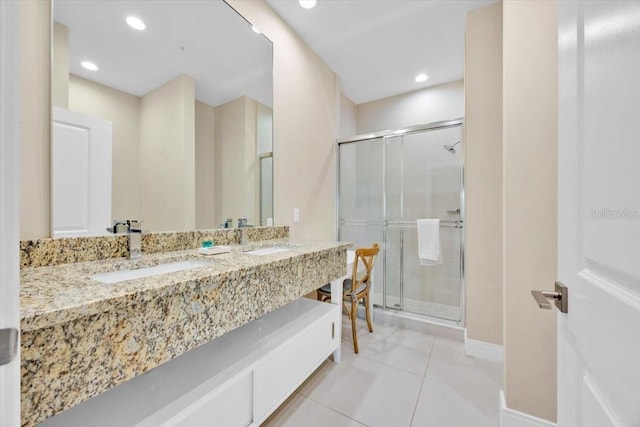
<point x="451" y="148"/>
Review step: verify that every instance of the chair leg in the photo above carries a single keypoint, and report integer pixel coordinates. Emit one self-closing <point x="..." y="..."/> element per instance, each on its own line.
<point x="368" y="312"/>
<point x="354" y="308"/>
<point x="346" y="309"/>
<point x="318" y="296"/>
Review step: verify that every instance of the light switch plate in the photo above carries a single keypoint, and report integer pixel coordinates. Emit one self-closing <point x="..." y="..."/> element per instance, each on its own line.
<point x="296" y="215"/>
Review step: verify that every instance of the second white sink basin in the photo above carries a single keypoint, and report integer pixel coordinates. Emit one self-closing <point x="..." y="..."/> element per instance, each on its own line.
<point x="269" y="251"/>
<point x="171" y="267"/>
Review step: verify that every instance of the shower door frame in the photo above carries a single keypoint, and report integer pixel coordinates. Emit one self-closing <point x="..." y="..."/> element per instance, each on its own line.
<point x="383" y="136"/>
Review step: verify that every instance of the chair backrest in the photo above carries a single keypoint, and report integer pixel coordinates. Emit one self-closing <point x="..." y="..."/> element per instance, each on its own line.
<point x="367" y="257"/>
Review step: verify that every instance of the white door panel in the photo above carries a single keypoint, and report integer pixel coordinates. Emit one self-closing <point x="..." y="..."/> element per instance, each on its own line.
<point x="599" y="213"/>
<point x="9" y="206"/>
<point x="81" y="174"/>
<point x="71" y="178"/>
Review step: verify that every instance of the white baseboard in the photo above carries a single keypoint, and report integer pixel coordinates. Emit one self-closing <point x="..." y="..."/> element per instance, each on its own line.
<point x="483" y="350"/>
<point x="511" y="418"/>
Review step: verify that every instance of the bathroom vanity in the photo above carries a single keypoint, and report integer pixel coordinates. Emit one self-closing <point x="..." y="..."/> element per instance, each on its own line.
<point x="194" y="332"/>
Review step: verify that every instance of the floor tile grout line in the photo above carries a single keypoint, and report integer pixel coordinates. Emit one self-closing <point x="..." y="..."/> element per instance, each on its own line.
<point x="441" y="341"/>
<point x="435" y="380"/>
<point x="379" y="363"/>
<point x="388" y="365"/>
<point x="415" y="407"/>
<point x="457" y="388"/>
<point x="396" y="367"/>
<point x="433" y="345"/>
<point x="335" y="410"/>
<point x="392" y="366"/>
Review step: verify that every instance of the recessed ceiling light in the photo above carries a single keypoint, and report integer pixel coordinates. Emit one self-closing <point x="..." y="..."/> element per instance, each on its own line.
<point x="89" y="65"/>
<point x="421" y="78"/>
<point x="136" y="23"/>
<point x="307" y="4"/>
<point x="255" y="29"/>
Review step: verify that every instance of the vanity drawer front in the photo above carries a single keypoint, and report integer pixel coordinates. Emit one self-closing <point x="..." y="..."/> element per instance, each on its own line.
<point x="286" y="368"/>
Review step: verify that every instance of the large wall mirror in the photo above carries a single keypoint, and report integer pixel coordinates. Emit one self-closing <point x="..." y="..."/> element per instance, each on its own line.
<point x="162" y="112"/>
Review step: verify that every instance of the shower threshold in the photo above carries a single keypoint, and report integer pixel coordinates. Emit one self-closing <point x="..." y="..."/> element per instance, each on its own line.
<point x="419" y="307"/>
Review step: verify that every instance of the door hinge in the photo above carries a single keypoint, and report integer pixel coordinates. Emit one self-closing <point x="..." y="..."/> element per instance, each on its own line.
<point x="8" y="345"/>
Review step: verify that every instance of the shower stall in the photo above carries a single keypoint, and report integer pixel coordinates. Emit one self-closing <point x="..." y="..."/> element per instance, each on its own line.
<point x="386" y="182"/>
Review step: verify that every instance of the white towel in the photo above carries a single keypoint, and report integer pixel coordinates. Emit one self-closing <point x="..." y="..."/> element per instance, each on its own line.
<point x="429" y="242"/>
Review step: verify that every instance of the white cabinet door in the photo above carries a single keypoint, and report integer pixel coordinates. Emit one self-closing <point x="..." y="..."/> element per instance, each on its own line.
<point x="282" y="371"/>
<point x="599" y="213"/>
<point x="229" y="406"/>
<point x="80" y="174"/>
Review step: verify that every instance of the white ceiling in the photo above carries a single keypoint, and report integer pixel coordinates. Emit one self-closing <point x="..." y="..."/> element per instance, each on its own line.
<point x="221" y="52"/>
<point x="377" y="47"/>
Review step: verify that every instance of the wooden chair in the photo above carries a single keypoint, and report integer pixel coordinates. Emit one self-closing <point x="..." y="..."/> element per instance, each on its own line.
<point x="356" y="288"/>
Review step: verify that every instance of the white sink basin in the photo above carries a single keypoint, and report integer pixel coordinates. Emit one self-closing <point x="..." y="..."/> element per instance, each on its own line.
<point x="172" y="267"/>
<point x="268" y="251"/>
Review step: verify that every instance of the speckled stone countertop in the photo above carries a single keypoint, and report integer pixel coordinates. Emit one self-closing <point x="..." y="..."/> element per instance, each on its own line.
<point x="47" y="252"/>
<point x="81" y="337"/>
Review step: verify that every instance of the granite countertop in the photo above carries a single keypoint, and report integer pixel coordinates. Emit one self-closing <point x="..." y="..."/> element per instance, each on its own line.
<point x="57" y="294"/>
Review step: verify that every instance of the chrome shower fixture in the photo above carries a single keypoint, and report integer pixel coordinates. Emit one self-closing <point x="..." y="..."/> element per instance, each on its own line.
<point x="451" y="148"/>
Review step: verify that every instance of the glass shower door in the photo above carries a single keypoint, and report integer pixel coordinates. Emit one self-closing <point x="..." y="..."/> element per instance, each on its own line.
<point x="361" y="207"/>
<point x="423" y="180"/>
<point x="385" y="185"/>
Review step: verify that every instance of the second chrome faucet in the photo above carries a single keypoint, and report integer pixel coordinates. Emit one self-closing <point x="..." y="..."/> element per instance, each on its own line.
<point x="133" y="229"/>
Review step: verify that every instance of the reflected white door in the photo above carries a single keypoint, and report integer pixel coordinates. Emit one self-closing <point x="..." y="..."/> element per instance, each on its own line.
<point x="9" y="211"/>
<point x="80" y="174"/>
<point x="599" y="213"/>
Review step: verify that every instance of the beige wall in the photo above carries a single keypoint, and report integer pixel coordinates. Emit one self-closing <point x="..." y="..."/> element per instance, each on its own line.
<point x="167" y="153"/>
<point x="432" y="104"/>
<point x="348" y="117"/>
<point x="483" y="173"/>
<point x="236" y="162"/>
<point x="305" y="109"/>
<point x="123" y="111"/>
<point x="35" y="119"/>
<point x="60" y="70"/>
<point x="530" y="71"/>
<point x="205" y="165"/>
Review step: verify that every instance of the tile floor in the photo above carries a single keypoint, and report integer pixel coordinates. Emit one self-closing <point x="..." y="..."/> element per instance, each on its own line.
<point x="400" y="378"/>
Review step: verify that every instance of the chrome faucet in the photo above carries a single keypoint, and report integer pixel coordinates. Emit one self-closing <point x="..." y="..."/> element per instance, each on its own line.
<point x="133" y="229"/>
<point x="242" y="225"/>
<point x="228" y="223"/>
<point x="135" y="239"/>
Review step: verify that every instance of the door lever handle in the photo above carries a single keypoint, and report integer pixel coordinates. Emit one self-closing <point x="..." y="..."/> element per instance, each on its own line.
<point x="8" y="345"/>
<point x="560" y="297"/>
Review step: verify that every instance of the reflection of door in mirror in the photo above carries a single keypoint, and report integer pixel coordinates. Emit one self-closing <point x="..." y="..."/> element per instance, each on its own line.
<point x="190" y="102"/>
<point x="80" y="174"/>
